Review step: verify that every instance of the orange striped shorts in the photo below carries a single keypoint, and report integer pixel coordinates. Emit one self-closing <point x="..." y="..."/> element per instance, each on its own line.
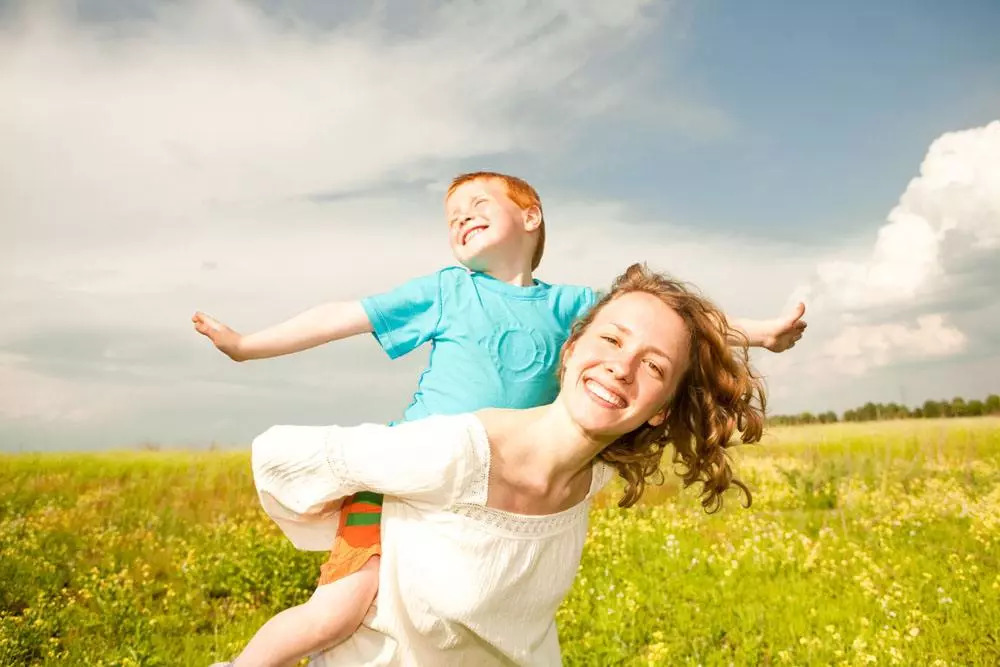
<point x="358" y="537"/>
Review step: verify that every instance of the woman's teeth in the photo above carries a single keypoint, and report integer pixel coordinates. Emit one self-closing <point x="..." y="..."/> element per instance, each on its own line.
<point x="601" y="392"/>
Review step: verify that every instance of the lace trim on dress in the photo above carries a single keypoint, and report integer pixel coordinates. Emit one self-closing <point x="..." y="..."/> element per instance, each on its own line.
<point x="334" y="452"/>
<point x="480" y="443"/>
<point x="522" y="524"/>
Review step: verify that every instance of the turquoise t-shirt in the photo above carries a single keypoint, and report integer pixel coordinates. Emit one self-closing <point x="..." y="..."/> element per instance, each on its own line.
<point x="492" y="344"/>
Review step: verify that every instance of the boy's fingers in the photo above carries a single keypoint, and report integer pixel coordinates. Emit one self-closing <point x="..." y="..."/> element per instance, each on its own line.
<point x="797" y="313"/>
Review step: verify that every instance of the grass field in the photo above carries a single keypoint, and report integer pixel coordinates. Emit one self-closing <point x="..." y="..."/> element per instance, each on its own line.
<point x="866" y="544"/>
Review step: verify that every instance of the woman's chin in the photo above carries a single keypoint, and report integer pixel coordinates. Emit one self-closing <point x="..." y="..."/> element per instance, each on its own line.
<point x="600" y="427"/>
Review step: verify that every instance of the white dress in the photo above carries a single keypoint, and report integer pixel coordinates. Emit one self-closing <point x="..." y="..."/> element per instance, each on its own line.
<point x="460" y="583"/>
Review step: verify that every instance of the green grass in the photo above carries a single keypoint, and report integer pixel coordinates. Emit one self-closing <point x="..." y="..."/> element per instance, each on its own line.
<point x="865" y="544"/>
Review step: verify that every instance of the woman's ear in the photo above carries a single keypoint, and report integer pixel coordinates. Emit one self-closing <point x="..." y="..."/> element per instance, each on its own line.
<point x="564" y="352"/>
<point x="659" y="417"/>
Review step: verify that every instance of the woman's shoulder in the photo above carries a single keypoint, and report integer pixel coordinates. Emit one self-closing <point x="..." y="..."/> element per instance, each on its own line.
<point x="601" y="474"/>
<point x="459" y="442"/>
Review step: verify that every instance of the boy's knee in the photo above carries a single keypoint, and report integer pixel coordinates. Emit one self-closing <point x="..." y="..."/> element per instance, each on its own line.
<point x="338" y="608"/>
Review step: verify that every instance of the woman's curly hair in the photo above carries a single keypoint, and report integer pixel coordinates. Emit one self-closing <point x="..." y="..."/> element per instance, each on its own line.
<point x="718" y="395"/>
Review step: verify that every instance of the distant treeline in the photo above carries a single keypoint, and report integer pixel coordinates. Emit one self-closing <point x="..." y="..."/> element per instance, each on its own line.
<point x="956" y="407"/>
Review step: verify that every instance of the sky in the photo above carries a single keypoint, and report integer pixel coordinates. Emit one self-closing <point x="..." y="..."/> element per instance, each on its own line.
<point x="253" y="159"/>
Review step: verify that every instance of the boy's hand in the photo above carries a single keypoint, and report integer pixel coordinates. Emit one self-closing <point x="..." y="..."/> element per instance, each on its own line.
<point x="782" y="333"/>
<point x="224" y="338"/>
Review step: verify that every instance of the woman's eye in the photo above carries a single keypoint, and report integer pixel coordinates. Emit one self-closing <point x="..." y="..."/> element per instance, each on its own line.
<point x="610" y="339"/>
<point x="654" y="369"/>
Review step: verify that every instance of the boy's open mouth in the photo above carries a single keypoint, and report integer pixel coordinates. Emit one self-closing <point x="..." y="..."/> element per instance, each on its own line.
<point x="472" y="231"/>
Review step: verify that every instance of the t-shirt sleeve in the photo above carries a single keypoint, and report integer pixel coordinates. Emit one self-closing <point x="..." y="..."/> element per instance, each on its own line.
<point x="302" y="473"/>
<point x="575" y="301"/>
<point x="406" y="317"/>
<point x="588" y="298"/>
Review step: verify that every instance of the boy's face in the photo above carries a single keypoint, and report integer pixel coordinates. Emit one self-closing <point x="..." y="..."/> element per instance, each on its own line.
<point x="486" y="228"/>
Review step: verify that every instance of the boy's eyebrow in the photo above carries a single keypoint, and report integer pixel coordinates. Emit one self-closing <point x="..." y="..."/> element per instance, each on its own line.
<point x="625" y="330"/>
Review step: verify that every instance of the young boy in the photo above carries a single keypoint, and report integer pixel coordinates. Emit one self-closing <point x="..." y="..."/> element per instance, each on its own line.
<point x="495" y="333"/>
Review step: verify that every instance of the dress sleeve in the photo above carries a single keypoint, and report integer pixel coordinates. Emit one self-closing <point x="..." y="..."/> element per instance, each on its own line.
<point x="302" y="473"/>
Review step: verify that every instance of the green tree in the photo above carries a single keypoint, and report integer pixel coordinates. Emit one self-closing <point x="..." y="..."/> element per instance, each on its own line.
<point x="958" y="407"/>
<point x="868" y="412"/>
<point x="992" y="404"/>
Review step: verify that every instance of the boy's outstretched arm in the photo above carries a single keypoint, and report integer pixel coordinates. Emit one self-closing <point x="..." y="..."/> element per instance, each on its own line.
<point x="776" y="335"/>
<point x="322" y="324"/>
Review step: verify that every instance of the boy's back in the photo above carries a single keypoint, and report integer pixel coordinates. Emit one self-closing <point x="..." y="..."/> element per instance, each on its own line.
<point x="492" y="344"/>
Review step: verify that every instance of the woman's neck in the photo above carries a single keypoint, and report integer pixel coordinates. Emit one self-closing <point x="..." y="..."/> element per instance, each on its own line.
<point x="539" y="457"/>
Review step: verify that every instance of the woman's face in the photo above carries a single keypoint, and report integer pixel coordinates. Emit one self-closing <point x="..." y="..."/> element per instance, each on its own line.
<point x="624" y="368"/>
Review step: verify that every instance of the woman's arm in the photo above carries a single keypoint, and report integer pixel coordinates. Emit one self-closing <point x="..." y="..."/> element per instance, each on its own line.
<point x="301" y="472"/>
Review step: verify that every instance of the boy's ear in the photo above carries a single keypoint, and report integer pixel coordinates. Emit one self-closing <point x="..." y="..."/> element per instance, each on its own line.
<point x="532" y="218"/>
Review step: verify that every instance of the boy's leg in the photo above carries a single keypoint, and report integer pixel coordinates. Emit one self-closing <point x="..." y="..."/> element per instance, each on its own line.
<point x="359" y="537"/>
<point x="331" y="615"/>
<point x="347" y="586"/>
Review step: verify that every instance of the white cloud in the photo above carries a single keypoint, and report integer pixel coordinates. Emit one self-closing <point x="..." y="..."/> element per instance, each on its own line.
<point x="214" y="110"/>
<point x="926" y="258"/>
<point x="857" y="349"/>
<point x="948" y="216"/>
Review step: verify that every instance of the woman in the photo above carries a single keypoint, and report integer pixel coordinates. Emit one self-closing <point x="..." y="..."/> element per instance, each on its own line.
<point x="485" y="514"/>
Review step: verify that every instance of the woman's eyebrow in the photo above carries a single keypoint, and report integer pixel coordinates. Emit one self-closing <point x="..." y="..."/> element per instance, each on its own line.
<point x="625" y="330"/>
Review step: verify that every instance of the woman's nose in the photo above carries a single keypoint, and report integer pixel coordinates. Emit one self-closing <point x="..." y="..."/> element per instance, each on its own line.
<point x="620" y="368"/>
